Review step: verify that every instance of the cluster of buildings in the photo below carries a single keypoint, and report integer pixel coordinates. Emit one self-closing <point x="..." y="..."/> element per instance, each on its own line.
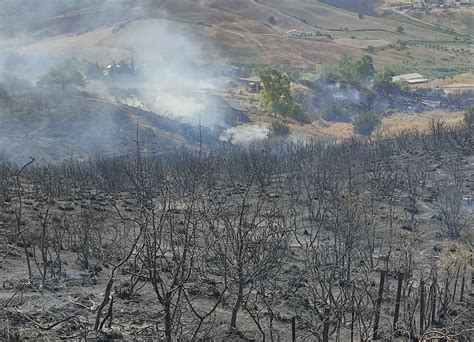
<point x="423" y="4"/>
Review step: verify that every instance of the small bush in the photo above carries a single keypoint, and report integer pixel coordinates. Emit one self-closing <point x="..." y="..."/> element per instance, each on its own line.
<point x="272" y="20"/>
<point x="279" y="128"/>
<point x="336" y="114"/>
<point x="366" y="123"/>
<point x="469" y="116"/>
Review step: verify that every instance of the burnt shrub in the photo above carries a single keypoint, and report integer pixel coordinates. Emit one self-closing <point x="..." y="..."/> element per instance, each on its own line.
<point x="336" y="113"/>
<point x="279" y="128"/>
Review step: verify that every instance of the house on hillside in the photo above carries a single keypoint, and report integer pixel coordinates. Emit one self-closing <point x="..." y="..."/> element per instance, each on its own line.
<point x="252" y="84"/>
<point x="413" y="78"/>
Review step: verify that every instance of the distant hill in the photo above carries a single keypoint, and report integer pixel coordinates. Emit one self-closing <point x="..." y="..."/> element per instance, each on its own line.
<point x="242" y="32"/>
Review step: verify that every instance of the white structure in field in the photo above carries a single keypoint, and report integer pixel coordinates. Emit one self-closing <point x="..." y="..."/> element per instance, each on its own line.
<point x="413" y="78"/>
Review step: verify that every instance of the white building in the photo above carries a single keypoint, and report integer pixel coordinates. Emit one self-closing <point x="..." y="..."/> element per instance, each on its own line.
<point x="412" y="78"/>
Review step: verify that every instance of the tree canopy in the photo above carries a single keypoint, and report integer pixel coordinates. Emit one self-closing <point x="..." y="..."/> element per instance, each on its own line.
<point x="63" y="75"/>
<point x="362" y="70"/>
<point x="384" y="75"/>
<point x="276" y="95"/>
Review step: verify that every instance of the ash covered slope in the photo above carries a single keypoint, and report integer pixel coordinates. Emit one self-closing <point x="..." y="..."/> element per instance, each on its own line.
<point x="83" y="127"/>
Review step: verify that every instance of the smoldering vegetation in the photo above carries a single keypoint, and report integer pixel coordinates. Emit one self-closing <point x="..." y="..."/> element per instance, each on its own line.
<point x="353" y="241"/>
<point x="51" y="125"/>
<point x="54" y="107"/>
<point x="341" y="101"/>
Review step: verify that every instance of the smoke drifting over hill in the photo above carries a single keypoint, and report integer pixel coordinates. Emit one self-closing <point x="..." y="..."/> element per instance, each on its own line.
<point x="169" y="66"/>
<point x="43" y="47"/>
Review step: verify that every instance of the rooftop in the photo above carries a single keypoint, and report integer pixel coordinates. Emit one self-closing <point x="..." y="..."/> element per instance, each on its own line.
<point x="255" y="79"/>
<point x="410" y="78"/>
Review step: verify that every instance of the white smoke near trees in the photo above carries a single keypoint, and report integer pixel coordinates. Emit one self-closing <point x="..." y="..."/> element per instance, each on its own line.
<point x="245" y="134"/>
<point x="166" y="54"/>
<point x="169" y="64"/>
<point x="50" y="120"/>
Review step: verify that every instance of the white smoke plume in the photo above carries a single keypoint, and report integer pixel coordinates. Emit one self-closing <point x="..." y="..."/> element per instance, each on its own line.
<point x="167" y="54"/>
<point x="245" y="134"/>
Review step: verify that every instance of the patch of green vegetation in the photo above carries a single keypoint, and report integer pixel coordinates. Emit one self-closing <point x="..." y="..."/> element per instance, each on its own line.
<point x="469" y="116"/>
<point x="366" y="123"/>
<point x="279" y="129"/>
<point x="336" y="113"/>
<point x="276" y="95"/>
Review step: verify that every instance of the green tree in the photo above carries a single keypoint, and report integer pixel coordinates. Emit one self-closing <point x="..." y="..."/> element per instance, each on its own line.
<point x="469" y="116"/>
<point x="364" y="69"/>
<point x="366" y="123"/>
<point x="361" y="70"/>
<point x="347" y="68"/>
<point x="63" y="75"/>
<point x="384" y="75"/>
<point x="276" y="95"/>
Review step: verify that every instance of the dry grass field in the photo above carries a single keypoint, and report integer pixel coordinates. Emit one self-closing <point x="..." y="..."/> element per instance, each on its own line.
<point x="391" y="125"/>
<point x="241" y="32"/>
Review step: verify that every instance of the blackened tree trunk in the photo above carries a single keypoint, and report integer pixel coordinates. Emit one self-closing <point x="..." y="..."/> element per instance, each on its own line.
<point x="168" y="320"/>
<point x="422" y="306"/>
<point x="397" y="301"/>
<point x="238" y="301"/>
<point x="378" y="305"/>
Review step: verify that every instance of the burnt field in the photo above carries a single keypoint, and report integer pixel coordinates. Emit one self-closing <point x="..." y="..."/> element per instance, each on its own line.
<point x="341" y="101"/>
<point x="358" y="240"/>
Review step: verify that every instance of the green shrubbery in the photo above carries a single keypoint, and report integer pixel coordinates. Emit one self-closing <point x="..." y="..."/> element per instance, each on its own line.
<point x="360" y="71"/>
<point x="469" y="116"/>
<point x="279" y="129"/>
<point x="276" y="96"/>
<point x="336" y="113"/>
<point x="366" y="123"/>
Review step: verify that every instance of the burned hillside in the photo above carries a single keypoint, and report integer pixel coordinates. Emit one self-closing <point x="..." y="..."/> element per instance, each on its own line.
<point x="55" y="126"/>
<point x="236" y="170"/>
<point x="361" y="239"/>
